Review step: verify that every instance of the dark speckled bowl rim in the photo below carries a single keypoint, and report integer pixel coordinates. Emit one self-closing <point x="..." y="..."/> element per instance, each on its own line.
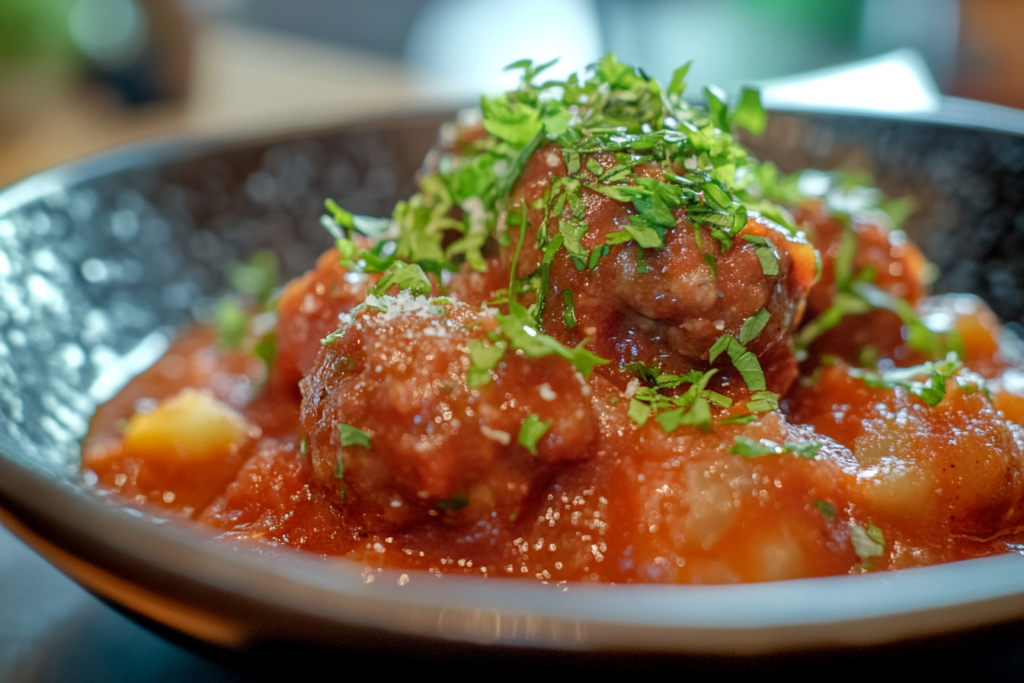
<point x="238" y="596"/>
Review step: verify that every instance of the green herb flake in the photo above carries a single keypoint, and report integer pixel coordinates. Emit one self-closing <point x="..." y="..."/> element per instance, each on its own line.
<point x="573" y="230"/>
<point x="483" y="359"/>
<point x="763" y="402"/>
<point x="712" y="264"/>
<point x="645" y="235"/>
<point x="366" y="225"/>
<point x="406" y="276"/>
<point x="827" y="509"/>
<point x="232" y="322"/>
<point x="749" y="113"/>
<point x="456" y="502"/>
<point x="717" y="108"/>
<point x="926" y="381"/>
<point x="523" y="333"/>
<point x="741" y="419"/>
<point x="641" y="261"/>
<point x="753" y="325"/>
<point x="744" y="361"/>
<point x="867" y="542"/>
<point x="352" y="436"/>
<point x="532" y="431"/>
<point x="256" y="277"/>
<point x="514" y="122"/>
<point x="804" y="449"/>
<point x="699" y="415"/>
<point x="569" y="316"/>
<point x="749" y="448"/>
<point x="572" y="161"/>
<point x="266" y="349"/>
<point x="677" y="85"/>
<point x="765" y="254"/>
<point x="596" y="255"/>
<point x="638" y="411"/>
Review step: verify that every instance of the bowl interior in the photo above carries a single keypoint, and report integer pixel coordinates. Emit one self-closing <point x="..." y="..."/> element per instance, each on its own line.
<point x="102" y="261"/>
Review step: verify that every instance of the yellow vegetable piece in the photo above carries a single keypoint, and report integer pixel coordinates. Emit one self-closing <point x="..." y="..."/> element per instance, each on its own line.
<point x="189" y="425"/>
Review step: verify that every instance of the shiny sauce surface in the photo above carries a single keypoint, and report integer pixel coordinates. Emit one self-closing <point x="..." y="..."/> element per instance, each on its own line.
<point x="446" y="485"/>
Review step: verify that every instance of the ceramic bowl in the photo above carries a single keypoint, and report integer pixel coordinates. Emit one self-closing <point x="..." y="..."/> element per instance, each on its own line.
<point x="102" y="261"/>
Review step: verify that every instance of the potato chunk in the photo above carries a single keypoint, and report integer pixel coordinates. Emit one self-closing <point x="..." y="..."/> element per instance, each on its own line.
<point x="191" y="425"/>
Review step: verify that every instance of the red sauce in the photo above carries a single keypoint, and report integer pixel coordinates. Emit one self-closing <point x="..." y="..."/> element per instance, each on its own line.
<point x="446" y="485"/>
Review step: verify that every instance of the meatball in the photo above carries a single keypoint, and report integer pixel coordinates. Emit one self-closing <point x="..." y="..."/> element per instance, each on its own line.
<point x="661" y="306"/>
<point x="396" y="428"/>
<point x="308" y="311"/>
<point x="891" y="263"/>
<point x="897" y="265"/>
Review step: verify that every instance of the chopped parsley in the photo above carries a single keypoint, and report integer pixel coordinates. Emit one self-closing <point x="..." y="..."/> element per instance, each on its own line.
<point x="569" y="316"/>
<point x="749" y="448"/>
<point x="692" y="407"/>
<point x="765" y="254"/>
<point x="407" y="276"/>
<point x="254" y="283"/>
<point x="926" y="381"/>
<point x="743" y="360"/>
<point x="456" y="502"/>
<point x="868" y="542"/>
<point x="482" y="360"/>
<point x="827" y="509"/>
<point x="533" y="431"/>
<point x="523" y="334"/>
<point x="256" y="278"/>
<point x="753" y="325"/>
<point x="614" y="109"/>
<point x="352" y="436"/>
<point x="266" y="349"/>
<point x="232" y="322"/>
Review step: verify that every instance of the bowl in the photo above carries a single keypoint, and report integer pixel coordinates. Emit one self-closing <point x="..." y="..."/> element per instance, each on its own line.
<point x="102" y="261"/>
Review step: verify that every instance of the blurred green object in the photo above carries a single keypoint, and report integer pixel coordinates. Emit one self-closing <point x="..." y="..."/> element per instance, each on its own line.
<point x="38" y="60"/>
<point x="36" y="30"/>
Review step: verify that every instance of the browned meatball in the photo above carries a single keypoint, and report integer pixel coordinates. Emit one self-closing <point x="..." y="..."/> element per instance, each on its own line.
<point x="888" y="261"/>
<point x="308" y="311"/>
<point x="673" y="311"/>
<point x="436" y="446"/>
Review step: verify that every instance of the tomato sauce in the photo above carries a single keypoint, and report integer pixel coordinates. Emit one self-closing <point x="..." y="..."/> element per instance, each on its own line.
<point x="720" y="408"/>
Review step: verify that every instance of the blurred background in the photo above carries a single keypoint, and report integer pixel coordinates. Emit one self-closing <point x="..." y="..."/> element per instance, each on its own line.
<point x="77" y="76"/>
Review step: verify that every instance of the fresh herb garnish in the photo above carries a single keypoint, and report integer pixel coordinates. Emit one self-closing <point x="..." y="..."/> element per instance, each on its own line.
<point x="867" y="542"/>
<point x="753" y="325"/>
<point x="926" y="381"/>
<point x="749" y="448"/>
<point x="744" y="361"/>
<point x="523" y="334"/>
<point x="456" y="502"/>
<point x="256" y="278"/>
<point x="692" y="407"/>
<point x="266" y="349"/>
<point x="232" y="322"/>
<point x="406" y="276"/>
<point x="569" y="316"/>
<point x="765" y="254"/>
<point x="533" y="430"/>
<point x="827" y="509"/>
<point x="482" y="360"/>
<point x="353" y="436"/>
